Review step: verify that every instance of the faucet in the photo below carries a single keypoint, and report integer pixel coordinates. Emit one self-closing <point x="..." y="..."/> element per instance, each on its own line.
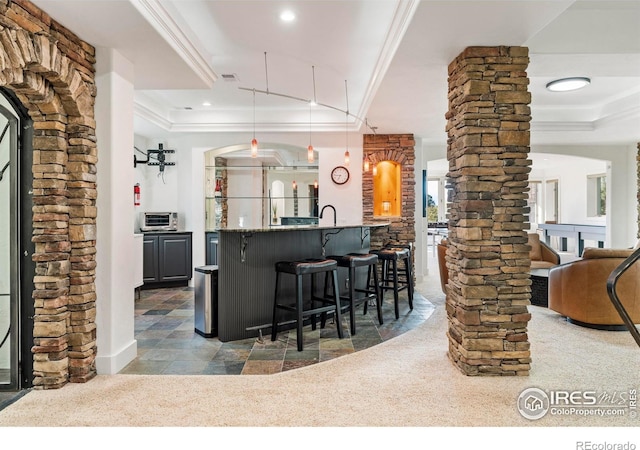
<point x="334" y="213"/>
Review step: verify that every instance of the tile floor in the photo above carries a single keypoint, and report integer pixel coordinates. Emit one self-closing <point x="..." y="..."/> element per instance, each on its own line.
<point x="168" y="344"/>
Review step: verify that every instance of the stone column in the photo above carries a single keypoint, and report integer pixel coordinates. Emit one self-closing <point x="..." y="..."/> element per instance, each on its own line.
<point x="488" y="256"/>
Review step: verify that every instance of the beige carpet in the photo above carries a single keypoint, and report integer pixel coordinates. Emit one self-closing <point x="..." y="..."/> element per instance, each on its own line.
<point x="407" y="381"/>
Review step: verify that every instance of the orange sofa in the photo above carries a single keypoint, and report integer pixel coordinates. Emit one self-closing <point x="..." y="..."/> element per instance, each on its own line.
<point x="542" y="256"/>
<point x="578" y="290"/>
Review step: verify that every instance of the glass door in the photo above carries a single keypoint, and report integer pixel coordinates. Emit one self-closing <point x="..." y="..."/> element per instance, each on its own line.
<point x="17" y="269"/>
<point x="9" y="345"/>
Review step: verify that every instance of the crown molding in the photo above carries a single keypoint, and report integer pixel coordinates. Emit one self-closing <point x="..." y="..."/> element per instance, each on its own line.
<point x="162" y="21"/>
<point x="401" y="21"/>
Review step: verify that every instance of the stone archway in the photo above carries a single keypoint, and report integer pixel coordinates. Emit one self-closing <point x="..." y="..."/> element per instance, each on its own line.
<point x="400" y="149"/>
<point x="51" y="72"/>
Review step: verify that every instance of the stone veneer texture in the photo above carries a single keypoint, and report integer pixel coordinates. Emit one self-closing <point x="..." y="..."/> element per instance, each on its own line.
<point x="488" y="256"/>
<point x="399" y="148"/>
<point x="51" y="71"/>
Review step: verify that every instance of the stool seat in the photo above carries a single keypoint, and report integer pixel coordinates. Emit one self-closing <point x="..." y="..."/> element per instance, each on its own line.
<point x="305" y="266"/>
<point x="391" y="254"/>
<point x="300" y="269"/>
<point x="393" y="277"/>
<point x="352" y="261"/>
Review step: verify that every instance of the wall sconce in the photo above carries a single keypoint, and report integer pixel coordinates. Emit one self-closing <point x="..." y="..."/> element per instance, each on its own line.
<point x="294" y="185"/>
<point x="365" y="165"/>
<point x="386" y="207"/>
<point x="375" y="170"/>
<point x="315" y="184"/>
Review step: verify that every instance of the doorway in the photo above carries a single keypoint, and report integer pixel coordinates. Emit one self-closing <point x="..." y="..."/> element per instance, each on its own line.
<point x="16" y="267"/>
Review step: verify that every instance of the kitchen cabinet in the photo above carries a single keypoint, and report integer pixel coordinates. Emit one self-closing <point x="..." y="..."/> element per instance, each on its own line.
<point x="167" y="258"/>
<point x="211" y="250"/>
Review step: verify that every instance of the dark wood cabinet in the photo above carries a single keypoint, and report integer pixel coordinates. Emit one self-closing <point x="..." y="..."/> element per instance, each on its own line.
<point x="167" y="258"/>
<point x="211" y="251"/>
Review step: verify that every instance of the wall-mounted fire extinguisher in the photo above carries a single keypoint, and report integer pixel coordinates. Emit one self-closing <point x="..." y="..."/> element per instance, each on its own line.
<point x="136" y="194"/>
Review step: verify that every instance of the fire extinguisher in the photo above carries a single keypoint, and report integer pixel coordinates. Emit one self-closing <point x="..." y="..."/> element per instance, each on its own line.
<point x="136" y="194"/>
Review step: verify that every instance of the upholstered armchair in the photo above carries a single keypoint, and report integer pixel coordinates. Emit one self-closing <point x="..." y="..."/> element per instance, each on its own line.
<point x="578" y="290"/>
<point x="542" y="256"/>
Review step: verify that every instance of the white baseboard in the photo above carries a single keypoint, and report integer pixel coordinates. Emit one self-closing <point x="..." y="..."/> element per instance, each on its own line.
<point x="112" y="364"/>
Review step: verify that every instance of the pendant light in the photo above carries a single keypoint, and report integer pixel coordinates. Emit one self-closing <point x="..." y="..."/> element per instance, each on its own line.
<point x="346" y="127"/>
<point x="254" y="141"/>
<point x="310" y="156"/>
<point x="365" y="164"/>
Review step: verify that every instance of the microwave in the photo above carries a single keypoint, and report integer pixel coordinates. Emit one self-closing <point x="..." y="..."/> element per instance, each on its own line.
<point x="159" y="221"/>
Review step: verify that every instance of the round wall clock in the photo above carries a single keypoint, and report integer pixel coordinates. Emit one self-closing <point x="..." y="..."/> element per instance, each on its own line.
<point x="340" y="175"/>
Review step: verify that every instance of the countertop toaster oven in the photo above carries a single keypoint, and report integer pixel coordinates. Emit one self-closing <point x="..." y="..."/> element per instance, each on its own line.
<point x="159" y="221"/>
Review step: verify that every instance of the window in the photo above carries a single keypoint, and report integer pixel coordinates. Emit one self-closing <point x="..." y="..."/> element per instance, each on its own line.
<point x="437" y="200"/>
<point x="596" y="195"/>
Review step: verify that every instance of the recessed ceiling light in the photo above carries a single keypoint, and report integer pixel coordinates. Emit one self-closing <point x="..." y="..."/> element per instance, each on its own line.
<point x="205" y="103"/>
<point x="287" y="16"/>
<point x="568" y="84"/>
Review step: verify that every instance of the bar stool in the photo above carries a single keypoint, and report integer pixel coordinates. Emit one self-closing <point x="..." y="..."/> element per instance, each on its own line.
<point x="300" y="269"/>
<point x="394" y="278"/>
<point x="372" y="292"/>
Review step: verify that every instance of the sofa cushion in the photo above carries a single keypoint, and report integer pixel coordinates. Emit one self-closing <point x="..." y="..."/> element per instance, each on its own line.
<point x="594" y="253"/>
<point x="535" y="254"/>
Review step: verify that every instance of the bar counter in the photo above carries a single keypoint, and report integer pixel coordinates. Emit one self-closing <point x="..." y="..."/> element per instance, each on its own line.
<point x="246" y="268"/>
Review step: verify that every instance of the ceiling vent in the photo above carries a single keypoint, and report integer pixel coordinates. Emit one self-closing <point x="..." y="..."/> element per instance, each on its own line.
<point x="229" y="77"/>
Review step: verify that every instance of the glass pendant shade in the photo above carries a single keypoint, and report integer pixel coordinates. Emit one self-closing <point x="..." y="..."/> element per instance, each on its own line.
<point x="346" y="158"/>
<point x="254" y="148"/>
<point x="310" y="153"/>
<point x="365" y="165"/>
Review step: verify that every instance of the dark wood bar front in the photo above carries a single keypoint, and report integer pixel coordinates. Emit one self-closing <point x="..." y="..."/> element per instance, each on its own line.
<point x="246" y="274"/>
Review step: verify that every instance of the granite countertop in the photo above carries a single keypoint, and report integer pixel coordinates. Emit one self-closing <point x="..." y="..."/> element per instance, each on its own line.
<point x="303" y="227"/>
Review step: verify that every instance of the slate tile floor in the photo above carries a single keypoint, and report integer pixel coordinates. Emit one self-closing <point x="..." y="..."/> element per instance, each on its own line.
<point x="168" y="344"/>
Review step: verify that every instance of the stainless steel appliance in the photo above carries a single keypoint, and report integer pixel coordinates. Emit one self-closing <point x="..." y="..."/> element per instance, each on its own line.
<point x="206" y="301"/>
<point x="158" y="221"/>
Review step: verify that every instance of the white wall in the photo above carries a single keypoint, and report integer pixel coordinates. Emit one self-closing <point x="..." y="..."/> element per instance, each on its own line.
<point x="572" y="188"/>
<point x="621" y="218"/>
<point x="115" y="243"/>
<point x="159" y="190"/>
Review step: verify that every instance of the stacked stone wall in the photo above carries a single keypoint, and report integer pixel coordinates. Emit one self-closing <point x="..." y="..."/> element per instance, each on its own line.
<point x="488" y="256"/>
<point x="399" y="148"/>
<point x="51" y="71"/>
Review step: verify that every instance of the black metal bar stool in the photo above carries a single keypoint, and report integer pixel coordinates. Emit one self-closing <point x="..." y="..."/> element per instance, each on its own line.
<point x="300" y="269"/>
<point x="371" y="292"/>
<point x="393" y="277"/>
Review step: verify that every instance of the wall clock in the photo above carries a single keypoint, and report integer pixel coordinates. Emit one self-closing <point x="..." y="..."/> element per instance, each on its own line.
<point x="340" y="175"/>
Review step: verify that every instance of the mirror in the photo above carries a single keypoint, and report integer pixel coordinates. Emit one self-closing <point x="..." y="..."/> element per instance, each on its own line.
<point x="278" y="187"/>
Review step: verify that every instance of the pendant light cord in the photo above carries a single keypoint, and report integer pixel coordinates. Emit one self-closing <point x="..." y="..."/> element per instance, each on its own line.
<point x="346" y="120"/>
<point x="266" y="73"/>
